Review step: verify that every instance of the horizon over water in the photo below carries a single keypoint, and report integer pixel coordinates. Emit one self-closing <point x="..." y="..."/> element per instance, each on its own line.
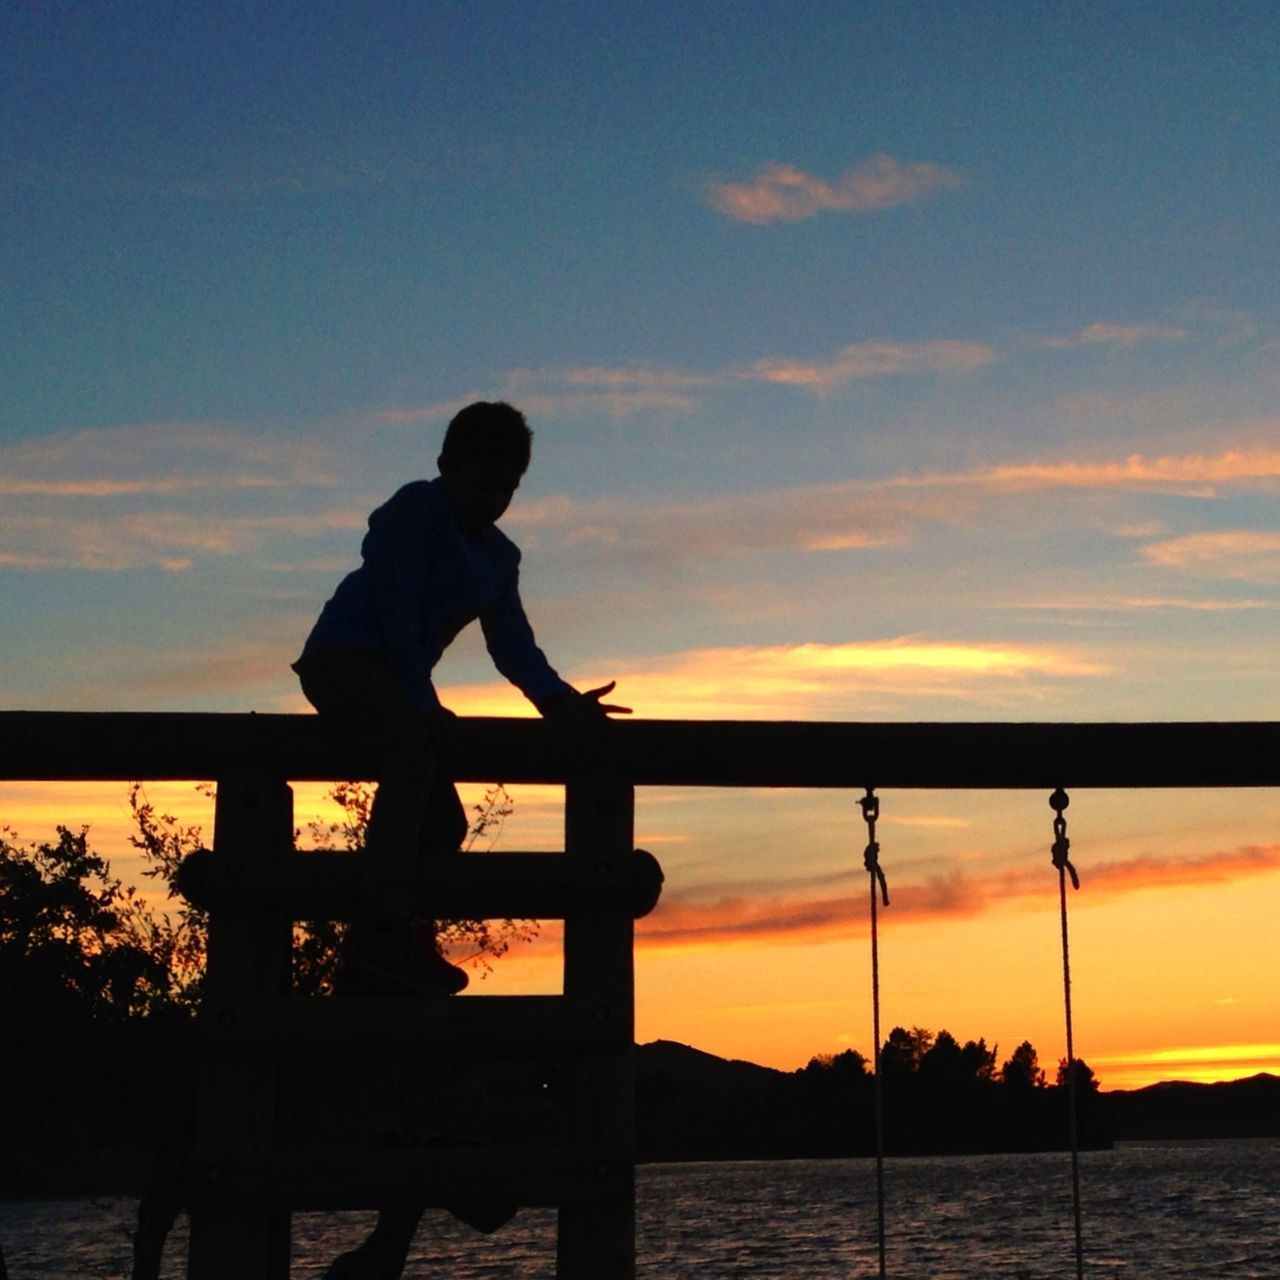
<point x="1189" y="1209"/>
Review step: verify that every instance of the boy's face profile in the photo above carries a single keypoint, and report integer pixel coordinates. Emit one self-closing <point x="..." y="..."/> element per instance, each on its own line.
<point x="479" y="491"/>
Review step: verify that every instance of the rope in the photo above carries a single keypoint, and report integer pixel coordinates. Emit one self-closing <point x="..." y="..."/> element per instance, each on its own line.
<point x="1061" y="847"/>
<point x="870" y="806"/>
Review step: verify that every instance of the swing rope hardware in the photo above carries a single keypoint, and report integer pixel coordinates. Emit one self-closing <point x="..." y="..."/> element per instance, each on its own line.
<point x="1058" y="802"/>
<point x="1061" y="845"/>
<point x="870" y="806"/>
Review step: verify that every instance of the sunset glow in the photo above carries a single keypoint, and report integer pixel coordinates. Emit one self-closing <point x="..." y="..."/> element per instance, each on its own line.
<point x="884" y="364"/>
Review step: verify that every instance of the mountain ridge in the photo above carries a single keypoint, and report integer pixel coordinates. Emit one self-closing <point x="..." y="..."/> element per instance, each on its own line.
<point x="695" y="1105"/>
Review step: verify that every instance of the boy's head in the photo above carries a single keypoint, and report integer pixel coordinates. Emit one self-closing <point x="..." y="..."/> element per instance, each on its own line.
<point x="485" y="453"/>
<point x="491" y="432"/>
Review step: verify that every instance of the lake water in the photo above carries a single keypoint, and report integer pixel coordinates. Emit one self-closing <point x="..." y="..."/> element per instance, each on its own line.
<point x="1195" y="1209"/>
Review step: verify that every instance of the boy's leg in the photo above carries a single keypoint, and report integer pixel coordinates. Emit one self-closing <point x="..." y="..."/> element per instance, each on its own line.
<point x="386" y="1250"/>
<point x="415" y="808"/>
<point x="357" y="693"/>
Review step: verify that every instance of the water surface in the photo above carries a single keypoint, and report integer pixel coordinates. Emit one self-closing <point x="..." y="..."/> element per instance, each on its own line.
<point x="1195" y="1209"/>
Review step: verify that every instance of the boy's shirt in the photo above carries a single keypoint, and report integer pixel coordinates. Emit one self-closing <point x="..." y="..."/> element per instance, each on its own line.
<point x="421" y="581"/>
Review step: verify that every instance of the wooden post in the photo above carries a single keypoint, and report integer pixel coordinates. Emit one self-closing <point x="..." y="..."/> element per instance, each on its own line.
<point x="236" y="1114"/>
<point x="596" y="1239"/>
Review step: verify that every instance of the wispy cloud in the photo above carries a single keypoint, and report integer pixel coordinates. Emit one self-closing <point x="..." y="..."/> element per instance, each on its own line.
<point x="616" y="391"/>
<point x="162" y="458"/>
<point x="169" y="495"/>
<point x="554" y="393"/>
<point x="872" y="360"/>
<point x="1197" y="475"/>
<point x="1204" y="1062"/>
<point x="784" y="193"/>
<point x="622" y="390"/>
<point x="803" y="680"/>
<point x="1249" y="555"/>
<point x="1138" y="604"/>
<point x="653" y="536"/>
<point x="862" y="514"/>
<point x="110" y="541"/>
<point x="163" y="494"/>
<point x="1116" y="335"/>
<point x="698" y="921"/>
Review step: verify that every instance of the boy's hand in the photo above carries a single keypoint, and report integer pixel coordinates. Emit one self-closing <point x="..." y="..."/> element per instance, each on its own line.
<point x="583" y="706"/>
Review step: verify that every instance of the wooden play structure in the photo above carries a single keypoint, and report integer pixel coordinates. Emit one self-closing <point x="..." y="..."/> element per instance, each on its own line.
<point x="241" y="1180"/>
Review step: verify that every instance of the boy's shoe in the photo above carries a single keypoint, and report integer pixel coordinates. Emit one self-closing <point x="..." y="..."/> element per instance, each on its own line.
<point x="485" y="1213"/>
<point x="376" y="1259"/>
<point x="382" y="959"/>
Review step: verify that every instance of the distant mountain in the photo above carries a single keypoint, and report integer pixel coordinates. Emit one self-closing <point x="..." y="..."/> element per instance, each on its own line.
<point x="1247" y="1108"/>
<point x="692" y="1105"/>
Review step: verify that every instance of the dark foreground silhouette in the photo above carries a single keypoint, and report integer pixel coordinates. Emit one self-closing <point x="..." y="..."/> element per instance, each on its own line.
<point x="694" y="1106"/>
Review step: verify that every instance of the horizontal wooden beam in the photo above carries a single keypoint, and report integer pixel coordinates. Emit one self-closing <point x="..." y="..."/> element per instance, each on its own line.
<point x="64" y="745"/>
<point x="28" y="1173"/>
<point x="324" y="1178"/>
<point x="460" y="1025"/>
<point x="444" y="1175"/>
<point x="476" y="886"/>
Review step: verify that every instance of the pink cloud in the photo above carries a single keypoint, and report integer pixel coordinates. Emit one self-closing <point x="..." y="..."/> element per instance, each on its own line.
<point x="1250" y="555"/>
<point x="871" y="360"/>
<point x="745" y="917"/>
<point x="1118" y="335"/>
<point x="783" y="193"/>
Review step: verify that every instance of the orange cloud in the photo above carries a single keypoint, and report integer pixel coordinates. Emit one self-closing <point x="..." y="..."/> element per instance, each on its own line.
<point x="110" y="540"/>
<point x="747" y="917"/>
<point x="163" y="458"/>
<point x="1198" y="1063"/>
<point x="642" y="535"/>
<point x="783" y="193"/>
<point x="802" y="680"/>
<point x="859" y="514"/>
<point x="1138" y="604"/>
<point x="1118" y="335"/>
<point x="870" y="360"/>
<point x="153" y="494"/>
<point x="1195" y="474"/>
<point x="1249" y="554"/>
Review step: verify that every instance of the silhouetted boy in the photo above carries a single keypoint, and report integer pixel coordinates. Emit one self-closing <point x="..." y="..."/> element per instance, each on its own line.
<point x="433" y="560"/>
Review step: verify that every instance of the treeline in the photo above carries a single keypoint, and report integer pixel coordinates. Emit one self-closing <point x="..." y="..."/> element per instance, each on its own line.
<point x="938" y="1096"/>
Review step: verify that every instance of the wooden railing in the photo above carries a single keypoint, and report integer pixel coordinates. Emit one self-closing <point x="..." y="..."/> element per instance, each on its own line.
<point x="241" y="1181"/>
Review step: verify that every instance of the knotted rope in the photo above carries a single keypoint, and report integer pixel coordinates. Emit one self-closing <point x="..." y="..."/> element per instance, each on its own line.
<point x="870" y="806"/>
<point x="1058" y="802"/>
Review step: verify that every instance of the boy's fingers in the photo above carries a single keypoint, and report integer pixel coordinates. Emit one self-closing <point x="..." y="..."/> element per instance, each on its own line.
<point x="606" y="708"/>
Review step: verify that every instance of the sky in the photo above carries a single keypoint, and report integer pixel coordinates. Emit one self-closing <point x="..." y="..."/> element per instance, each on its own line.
<point x="885" y="362"/>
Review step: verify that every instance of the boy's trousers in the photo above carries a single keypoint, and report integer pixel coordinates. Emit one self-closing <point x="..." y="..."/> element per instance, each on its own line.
<point x="416" y="811"/>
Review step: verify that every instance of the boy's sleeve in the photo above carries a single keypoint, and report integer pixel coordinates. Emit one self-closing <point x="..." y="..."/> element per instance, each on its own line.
<point x="400" y="554"/>
<point x="515" y="653"/>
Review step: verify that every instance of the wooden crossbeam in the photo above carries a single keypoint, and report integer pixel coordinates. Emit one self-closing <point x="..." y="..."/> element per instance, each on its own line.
<point x="442" y="1175"/>
<point x="50" y="745"/>
<point x="337" y="886"/>
<point x="74" y="1173"/>
<point x="371" y="1025"/>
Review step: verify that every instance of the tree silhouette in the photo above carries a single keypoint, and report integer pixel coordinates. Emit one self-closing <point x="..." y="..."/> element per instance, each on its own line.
<point x="77" y="942"/>
<point x="1022" y="1072"/>
<point x="1086" y="1081"/>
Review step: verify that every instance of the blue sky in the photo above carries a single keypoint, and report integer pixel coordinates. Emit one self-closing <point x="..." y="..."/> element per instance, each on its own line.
<point x="886" y="361"/>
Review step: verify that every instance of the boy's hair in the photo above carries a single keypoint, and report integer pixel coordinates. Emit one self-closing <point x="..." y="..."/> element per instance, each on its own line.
<point x="488" y="431"/>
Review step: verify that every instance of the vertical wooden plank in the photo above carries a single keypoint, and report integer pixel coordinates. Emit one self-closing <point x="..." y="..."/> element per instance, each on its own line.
<point x="237" y="1105"/>
<point x="596" y="1241"/>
